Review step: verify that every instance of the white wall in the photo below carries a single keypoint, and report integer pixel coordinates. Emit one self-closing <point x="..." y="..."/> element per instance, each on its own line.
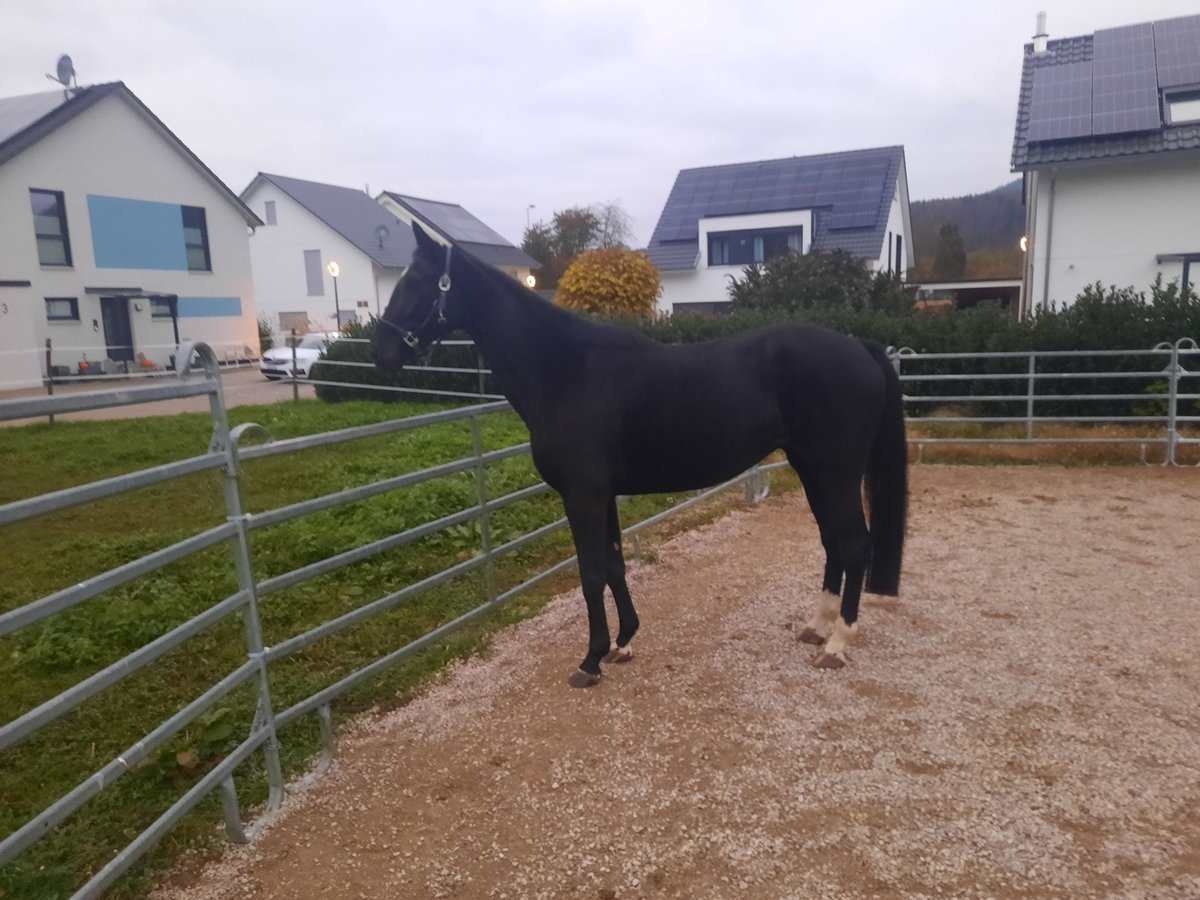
<point x="21" y="356"/>
<point x="280" y="280"/>
<point x="110" y="149"/>
<point x="1109" y="223"/>
<point x="897" y="224"/>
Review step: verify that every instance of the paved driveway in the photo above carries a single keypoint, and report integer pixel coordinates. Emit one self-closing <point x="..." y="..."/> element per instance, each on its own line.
<point x="242" y="387"/>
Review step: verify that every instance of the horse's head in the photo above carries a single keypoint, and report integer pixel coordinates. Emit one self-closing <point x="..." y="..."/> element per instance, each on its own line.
<point x="419" y="313"/>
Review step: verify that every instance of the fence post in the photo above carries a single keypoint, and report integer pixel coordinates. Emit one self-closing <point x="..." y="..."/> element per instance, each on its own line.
<point x="1029" y="395"/>
<point x="1173" y="372"/>
<point x="225" y="441"/>
<point x="295" y="386"/>
<point x="485" y="524"/>
<point x="479" y="364"/>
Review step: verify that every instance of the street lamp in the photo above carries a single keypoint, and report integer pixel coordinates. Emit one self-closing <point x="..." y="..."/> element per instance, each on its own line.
<point x="335" y="270"/>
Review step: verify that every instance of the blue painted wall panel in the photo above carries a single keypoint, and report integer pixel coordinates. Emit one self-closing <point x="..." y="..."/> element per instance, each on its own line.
<point x="203" y="307"/>
<point x="136" y="234"/>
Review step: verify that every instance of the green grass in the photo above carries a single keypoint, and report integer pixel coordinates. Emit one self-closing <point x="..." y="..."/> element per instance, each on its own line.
<point x="60" y="550"/>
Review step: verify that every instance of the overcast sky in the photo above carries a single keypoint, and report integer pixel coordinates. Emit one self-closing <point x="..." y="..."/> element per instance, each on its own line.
<point x="559" y="103"/>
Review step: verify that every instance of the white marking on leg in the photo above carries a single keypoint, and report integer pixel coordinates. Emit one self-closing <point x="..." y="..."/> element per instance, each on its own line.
<point x="828" y="608"/>
<point x="841" y="638"/>
<point x="619" y="654"/>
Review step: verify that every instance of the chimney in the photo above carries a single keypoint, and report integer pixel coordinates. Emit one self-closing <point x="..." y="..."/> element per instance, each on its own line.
<point x="1039" y="39"/>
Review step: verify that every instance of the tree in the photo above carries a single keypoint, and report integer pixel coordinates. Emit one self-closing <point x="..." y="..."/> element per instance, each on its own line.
<point x="794" y="283"/>
<point x="571" y="232"/>
<point x="611" y="281"/>
<point x="616" y="228"/>
<point x="950" y="257"/>
<point x="539" y="242"/>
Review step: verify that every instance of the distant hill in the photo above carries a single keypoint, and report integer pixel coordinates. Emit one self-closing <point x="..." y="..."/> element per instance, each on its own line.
<point x="990" y="225"/>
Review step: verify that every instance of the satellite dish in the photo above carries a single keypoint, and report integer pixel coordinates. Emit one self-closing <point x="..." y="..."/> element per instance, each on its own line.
<point x="66" y="71"/>
<point x="381" y="233"/>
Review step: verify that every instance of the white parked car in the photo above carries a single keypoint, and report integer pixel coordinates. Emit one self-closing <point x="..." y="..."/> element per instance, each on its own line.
<point x="277" y="362"/>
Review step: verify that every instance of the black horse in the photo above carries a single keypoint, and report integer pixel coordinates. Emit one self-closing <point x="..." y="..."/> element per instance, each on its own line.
<point x="611" y="412"/>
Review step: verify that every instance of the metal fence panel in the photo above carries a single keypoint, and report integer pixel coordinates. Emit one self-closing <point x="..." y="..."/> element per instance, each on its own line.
<point x="1180" y="362"/>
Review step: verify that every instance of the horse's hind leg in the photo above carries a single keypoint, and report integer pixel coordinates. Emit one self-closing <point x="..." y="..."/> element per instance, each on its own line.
<point x="818" y="627"/>
<point x="842" y="501"/>
<point x="615" y="575"/>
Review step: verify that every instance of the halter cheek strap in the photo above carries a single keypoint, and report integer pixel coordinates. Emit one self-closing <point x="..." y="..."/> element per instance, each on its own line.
<point x="439" y="308"/>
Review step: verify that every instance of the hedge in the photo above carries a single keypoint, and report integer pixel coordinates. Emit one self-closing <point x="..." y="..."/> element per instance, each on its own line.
<point x="1100" y="319"/>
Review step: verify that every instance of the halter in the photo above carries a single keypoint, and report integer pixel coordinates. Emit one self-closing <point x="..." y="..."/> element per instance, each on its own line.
<point x="439" y="308"/>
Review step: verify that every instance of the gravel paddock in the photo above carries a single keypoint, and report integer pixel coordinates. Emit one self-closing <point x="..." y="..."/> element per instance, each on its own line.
<point x="1021" y="722"/>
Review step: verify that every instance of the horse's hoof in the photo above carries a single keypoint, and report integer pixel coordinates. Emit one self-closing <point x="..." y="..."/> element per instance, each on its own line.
<point x="811" y="636"/>
<point x="830" y="661"/>
<point x="619" y="655"/>
<point x="582" y="679"/>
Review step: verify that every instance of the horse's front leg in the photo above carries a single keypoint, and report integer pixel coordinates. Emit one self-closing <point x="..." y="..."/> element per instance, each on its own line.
<point x="615" y="576"/>
<point x="588" y="517"/>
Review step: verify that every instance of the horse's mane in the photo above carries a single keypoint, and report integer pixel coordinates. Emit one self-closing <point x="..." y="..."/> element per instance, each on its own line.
<point x="551" y="321"/>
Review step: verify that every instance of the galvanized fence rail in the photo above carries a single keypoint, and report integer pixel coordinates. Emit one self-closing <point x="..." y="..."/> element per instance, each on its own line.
<point x="1154" y="390"/>
<point x="226" y="454"/>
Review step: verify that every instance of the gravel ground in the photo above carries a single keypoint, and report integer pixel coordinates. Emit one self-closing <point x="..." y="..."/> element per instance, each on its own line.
<point x="1020" y="723"/>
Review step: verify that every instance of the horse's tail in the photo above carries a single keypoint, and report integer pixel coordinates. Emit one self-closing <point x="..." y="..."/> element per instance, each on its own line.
<point x="887" y="485"/>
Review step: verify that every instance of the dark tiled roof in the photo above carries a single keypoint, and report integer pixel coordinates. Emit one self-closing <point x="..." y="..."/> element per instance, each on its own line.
<point x="674" y="256"/>
<point x="27" y="119"/>
<point x="454" y="223"/>
<point x="352" y="214"/>
<point x="1031" y="155"/>
<point x="850" y="194"/>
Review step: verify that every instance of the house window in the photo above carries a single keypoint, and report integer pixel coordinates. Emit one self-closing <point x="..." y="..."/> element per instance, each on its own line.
<point x="1182" y="107"/>
<point x="62" y="309"/>
<point x="742" y="248"/>
<point x="900" y="255"/>
<point x="50" y="227"/>
<point x="195" y="238"/>
<point x="162" y="308"/>
<point x="269" y="208"/>
<point x="314" y="273"/>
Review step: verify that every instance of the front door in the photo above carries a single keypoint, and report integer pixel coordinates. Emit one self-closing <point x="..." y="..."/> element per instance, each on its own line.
<point x="118" y="330"/>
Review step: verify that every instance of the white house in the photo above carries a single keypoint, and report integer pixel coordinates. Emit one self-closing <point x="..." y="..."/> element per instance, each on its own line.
<point x="1108" y="141"/>
<point x="116" y="241"/>
<point x="719" y="219"/>
<point x="447" y="222"/>
<point x="309" y="225"/>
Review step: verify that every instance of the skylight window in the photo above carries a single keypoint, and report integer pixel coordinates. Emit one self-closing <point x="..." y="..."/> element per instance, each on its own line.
<point x="1182" y="107"/>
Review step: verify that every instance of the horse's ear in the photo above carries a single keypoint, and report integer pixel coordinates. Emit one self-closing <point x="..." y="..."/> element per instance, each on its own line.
<point x="424" y="241"/>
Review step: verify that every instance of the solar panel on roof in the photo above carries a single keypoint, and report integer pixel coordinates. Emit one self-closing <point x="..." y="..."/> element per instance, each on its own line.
<point x="456" y="222"/>
<point x="1061" y="106"/>
<point x="849" y="185"/>
<point x="1124" y="80"/>
<point x="1177" y="51"/>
